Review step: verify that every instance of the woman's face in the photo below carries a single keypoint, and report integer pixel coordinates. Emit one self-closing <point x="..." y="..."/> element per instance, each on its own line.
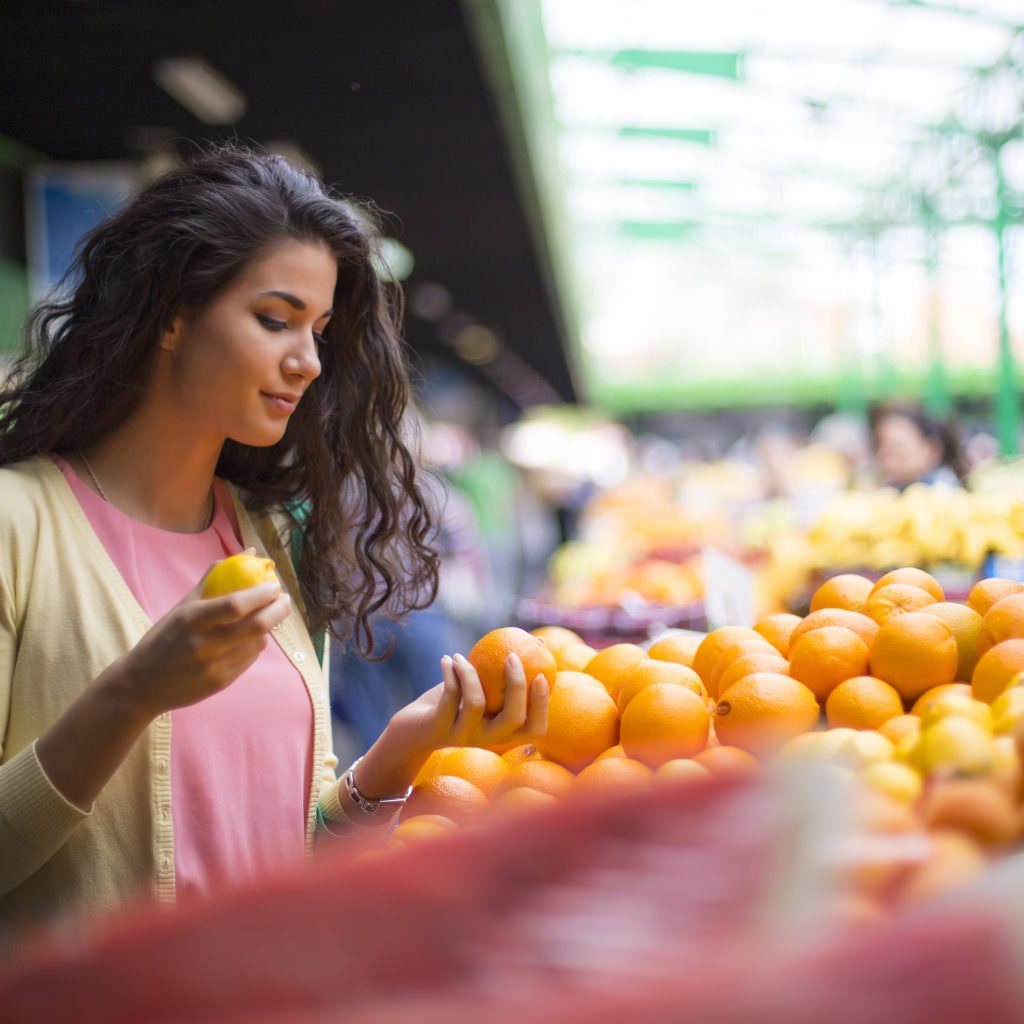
<point x="904" y="454"/>
<point x="239" y="368"/>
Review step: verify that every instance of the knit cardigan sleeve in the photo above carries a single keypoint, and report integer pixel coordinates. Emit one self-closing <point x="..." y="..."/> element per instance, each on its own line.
<point x="35" y="818"/>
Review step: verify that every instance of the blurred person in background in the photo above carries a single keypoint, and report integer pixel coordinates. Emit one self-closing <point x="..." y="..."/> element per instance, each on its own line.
<point x="223" y="371"/>
<point x="849" y="436"/>
<point x="913" y="447"/>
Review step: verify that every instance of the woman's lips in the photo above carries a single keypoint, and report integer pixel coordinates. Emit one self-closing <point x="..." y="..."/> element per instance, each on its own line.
<point x="282" y="403"/>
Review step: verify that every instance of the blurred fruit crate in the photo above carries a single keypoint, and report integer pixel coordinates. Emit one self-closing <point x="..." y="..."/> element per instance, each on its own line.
<point x="603" y="625"/>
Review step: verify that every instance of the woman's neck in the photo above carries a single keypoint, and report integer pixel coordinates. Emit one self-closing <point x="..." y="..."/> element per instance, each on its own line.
<point x="154" y="475"/>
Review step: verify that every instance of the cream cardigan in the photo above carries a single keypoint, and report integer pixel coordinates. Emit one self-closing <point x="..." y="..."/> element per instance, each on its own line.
<point x="65" y="615"/>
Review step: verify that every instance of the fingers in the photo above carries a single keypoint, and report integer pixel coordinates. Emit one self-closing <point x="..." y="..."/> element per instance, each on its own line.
<point x="537" y="716"/>
<point x="215" y="611"/>
<point x="472" y="702"/>
<point x="256" y="623"/>
<point x="513" y="713"/>
<point x="451" y="692"/>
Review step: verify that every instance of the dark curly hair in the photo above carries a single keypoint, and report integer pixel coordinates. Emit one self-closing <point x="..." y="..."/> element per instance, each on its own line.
<point x="342" y="470"/>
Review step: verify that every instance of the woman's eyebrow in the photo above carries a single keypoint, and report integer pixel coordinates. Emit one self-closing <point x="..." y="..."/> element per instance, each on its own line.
<point x="294" y="300"/>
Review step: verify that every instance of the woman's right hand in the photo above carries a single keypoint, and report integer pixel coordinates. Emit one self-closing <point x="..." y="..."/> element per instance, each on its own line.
<point x="202" y="645"/>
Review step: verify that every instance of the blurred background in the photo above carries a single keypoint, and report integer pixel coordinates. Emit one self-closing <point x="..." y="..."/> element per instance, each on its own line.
<point x="703" y="303"/>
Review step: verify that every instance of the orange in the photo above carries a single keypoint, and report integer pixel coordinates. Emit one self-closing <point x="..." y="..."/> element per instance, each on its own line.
<point x="863" y="702"/>
<point x="610" y="661"/>
<point x="966" y="624"/>
<point x="748" y="663"/>
<point x="721" y="647"/>
<point x="913" y="578"/>
<point x="900" y="727"/>
<point x="424" y="826"/>
<point x="663" y="722"/>
<point x="446" y="795"/>
<point x="615" y="751"/>
<point x="959" y="689"/>
<point x="522" y="798"/>
<point x="847" y="590"/>
<point x="823" y="658"/>
<point x="582" y="722"/>
<point x="556" y="637"/>
<point x="896" y="599"/>
<point x="677" y="647"/>
<point x="778" y="629"/>
<point x="484" y="768"/>
<point x="681" y="768"/>
<point x="986" y="593"/>
<point x="764" y="710"/>
<point x="724" y="760"/>
<point x="574" y="657"/>
<point x="545" y="776"/>
<point x="615" y="771"/>
<point x="865" y="628"/>
<point x="914" y="652"/>
<point x="567" y="676"/>
<point x="523" y="752"/>
<point x="1003" y="621"/>
<point x="491" y="651"/>
<point x="646" y="673"/>
<point x="996" y="668"/>
<point x="237" y="572"/>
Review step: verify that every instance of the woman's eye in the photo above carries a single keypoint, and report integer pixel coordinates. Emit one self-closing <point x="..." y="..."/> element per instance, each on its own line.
<point x="270" y="323"/>
<point x="319" y="337"/>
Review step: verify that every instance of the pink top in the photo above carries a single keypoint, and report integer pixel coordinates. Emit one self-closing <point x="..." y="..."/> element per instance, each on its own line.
<point x="241" y="760"/>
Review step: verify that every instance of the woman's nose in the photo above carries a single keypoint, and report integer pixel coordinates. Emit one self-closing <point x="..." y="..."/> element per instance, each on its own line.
<point x="304" y="359"/>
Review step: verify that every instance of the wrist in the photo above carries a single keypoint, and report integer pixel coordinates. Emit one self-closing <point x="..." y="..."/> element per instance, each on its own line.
<point x="388" y="768"/>
<point x="119" y="689"/>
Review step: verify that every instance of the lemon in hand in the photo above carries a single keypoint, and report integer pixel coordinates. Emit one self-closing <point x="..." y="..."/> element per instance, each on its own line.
<point x="236" y="573"/>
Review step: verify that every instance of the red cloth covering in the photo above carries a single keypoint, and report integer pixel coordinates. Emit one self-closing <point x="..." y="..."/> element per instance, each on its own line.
<point x="623" y="907"/>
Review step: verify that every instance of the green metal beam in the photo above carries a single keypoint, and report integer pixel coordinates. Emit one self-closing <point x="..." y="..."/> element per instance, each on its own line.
<point x="658" y="230"/>
<point x="658" y="183"/>
<point x="1007" y="388"/>
<point x="692" y="62"/>
<point x="699" y="136"/>
<point x="684" y="389"/>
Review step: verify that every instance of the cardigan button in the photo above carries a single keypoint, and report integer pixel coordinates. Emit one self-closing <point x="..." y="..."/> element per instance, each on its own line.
<point x="298" y="657"/>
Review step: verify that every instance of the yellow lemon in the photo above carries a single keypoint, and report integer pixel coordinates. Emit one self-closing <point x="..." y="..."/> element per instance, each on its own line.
<point x="237" y="573"/>
<point x="1010" y="701"/>
<point x="894" y="779"/>
<point x="956" y="744"/>
<point x="954" y="704"/>
<point x="905" y="751"/>
<point x="864" y="748"/>
<point x="815" y="746"/>
<point x="1007" y="723"/>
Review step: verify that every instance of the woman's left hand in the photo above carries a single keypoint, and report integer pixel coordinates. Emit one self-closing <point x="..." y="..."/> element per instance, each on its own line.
<point x="453" y="714"/>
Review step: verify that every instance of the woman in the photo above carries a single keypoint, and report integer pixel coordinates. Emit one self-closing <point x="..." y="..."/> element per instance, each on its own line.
<point x="913" y="447"/>
<point x="224" y="372"/>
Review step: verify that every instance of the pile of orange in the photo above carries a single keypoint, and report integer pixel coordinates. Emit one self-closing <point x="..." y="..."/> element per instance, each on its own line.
<point x="871" y="658"/>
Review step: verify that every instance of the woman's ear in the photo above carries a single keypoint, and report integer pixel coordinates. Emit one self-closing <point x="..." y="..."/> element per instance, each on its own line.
<point x="171" y="337"/>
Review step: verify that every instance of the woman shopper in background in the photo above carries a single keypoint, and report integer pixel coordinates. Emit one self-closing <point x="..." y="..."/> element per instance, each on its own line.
<point x="224" y="372"/>
<point x="914" y="447"/>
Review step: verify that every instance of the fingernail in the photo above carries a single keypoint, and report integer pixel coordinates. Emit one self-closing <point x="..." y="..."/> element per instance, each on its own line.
<point x="446" y="661"/>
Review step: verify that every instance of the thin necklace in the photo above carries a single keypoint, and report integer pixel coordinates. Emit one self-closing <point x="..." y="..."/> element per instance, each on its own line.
<point x="103" y="493"/>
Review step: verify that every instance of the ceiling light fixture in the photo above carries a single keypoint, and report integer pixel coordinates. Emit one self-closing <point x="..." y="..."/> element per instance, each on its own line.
<point x="201" y="89"/>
